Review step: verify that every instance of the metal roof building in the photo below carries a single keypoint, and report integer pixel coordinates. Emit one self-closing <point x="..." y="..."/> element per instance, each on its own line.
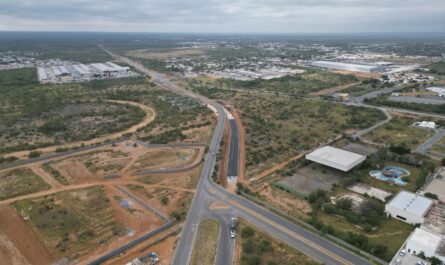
<point x="336" y="158"/>
<point x="345" y="66"/>
<point x="409" y="207"/>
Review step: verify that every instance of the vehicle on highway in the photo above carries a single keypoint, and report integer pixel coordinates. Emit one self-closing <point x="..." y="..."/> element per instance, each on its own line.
<point x="233" y="227"/>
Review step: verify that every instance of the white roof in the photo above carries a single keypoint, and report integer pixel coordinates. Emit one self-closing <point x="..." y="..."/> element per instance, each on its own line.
<point x="336" y="158"/>
<point x="425" y="238"/>
<point x="345" y="66"/>
<point x="411" y="203"/>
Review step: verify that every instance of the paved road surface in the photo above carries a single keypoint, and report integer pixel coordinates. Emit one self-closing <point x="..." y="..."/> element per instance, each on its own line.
<point x="423" y="148"/>
<point x="208" y="192"/>
<point x="232" y="165"/>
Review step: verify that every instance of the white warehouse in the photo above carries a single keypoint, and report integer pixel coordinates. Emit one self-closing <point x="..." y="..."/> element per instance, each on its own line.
<point x="424" y="241"/>
<point x="336" y="158"/>
<point x="408" y="207"/>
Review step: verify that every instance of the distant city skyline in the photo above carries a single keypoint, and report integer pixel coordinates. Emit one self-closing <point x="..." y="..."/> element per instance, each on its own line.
<point x="224" y="16"/>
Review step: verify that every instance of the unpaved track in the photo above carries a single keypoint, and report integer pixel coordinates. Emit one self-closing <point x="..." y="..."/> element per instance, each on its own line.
<point x="334" y="89"/>
<point x="149" y="117"/>
<point x="86" y="185"/>
<point x="45" y="176"/>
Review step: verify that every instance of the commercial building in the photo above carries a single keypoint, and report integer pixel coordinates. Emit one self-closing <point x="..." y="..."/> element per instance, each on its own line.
<point x="336" y="158"/>
<point x="409" y="207"/>
<point x="430" y="244"/>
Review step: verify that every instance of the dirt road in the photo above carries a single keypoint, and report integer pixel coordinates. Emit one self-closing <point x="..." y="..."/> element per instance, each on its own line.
<point x="334" y="89"/>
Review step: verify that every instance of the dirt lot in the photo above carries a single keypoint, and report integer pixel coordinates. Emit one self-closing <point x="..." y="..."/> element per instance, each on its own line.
<point x="168" y="158"/>
<point x="18" y="243"/>
<point x="285" y="201"/>
<point x="72" y="223"/>
<point x="187" y="179"/>
<point x="311" y="178"/>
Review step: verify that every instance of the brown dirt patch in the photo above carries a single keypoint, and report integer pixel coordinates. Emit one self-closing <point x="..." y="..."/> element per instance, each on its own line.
<point x="74" y="171"/>
<point x="18" y="243"/>
<point x="284" y="202"/>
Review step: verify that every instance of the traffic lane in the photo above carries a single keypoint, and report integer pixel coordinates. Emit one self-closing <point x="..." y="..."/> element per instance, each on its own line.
<point x="232" y="166"/>
<point x="201" y="200"/>
<point x="226" y="244"/>
<point x="306" y="243"/>
<point x="296" y="236"/>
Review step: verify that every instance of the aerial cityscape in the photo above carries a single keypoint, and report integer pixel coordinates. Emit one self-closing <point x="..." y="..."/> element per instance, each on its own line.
<point x="231" y="132"/>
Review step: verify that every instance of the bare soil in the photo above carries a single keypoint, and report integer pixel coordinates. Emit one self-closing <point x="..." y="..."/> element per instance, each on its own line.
<point x="18" y="243"/>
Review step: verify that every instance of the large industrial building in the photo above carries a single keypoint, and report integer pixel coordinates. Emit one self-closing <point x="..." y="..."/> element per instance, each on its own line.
<point x="409" y="207"/>
<point x="336" y="158"/>
<point x="354" y="67"/>
<point x="82" y="72"/>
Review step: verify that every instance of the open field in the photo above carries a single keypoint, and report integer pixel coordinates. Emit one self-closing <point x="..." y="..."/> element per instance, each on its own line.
<point x="72" y="223"/>
<point x="19" y="244"/>
<point x="35" y="115"/>
<point x="20" y="181"/>
<point x="167" y="158"/>
<point x="173" y="203"/>
<point x="309" y="82"/>
<point x="187" y="179"/>
<point x="399" y="131"/>
<point x="311" y="178"/>
<point x="164" y="54"/>
<point x="256" y="247"/>
<point x="204" y="251"/>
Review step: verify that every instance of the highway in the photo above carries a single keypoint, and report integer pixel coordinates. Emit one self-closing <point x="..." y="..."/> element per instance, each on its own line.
<point x="209" y="192"/>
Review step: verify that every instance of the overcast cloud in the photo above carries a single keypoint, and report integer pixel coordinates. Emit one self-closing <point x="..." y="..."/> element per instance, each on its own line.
<point x="264" y="16"/>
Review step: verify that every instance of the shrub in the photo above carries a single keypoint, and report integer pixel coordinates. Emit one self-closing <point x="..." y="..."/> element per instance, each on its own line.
<point x="431" y="195"/>
<point x="248" y="246"/>
<point x="34" y="154"/>
<point x="247" y="232"/>
<point x="164" y="200"/>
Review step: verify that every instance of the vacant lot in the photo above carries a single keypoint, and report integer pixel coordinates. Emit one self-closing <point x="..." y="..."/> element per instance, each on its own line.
<point x="19" y="245"/>
<point x="204" y="251"/>
<point x="400" y="132"/>
<point x="171" y="202"/>
<point x="20" y="181"/>
<point x="164" y="54"/>
<point x="308" y="82"/>
<point x="72" y="223"/>
<point x="311" y="178"/>
<point x="167" y="158"/>
<point x="256" y="247"/>
<point x="89" y="166"/>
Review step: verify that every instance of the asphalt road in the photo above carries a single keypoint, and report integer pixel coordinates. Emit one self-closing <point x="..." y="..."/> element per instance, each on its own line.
<point x="423" y="148"/>
<point x="232" y="165"/>
<point x="208" y="192"/>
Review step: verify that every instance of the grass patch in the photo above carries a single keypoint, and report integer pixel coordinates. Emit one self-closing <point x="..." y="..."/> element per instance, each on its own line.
<point x="399" y="131"/>
<point x="257" y="248"/>
<point x="204" y="251"/>
<point x="56" y="174"/>
<point x="19" y="182"/>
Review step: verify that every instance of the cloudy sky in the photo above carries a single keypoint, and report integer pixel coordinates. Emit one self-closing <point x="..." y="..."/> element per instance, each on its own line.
<point x="230" y="16"/>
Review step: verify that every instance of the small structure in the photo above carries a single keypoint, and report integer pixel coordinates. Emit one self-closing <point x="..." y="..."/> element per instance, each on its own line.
<point x="439" y="90"/>
<point x="426" y="124"/>
<point x="336" y="158"/>
<point x="424" y="241"/>
<point x="409" y="207"/>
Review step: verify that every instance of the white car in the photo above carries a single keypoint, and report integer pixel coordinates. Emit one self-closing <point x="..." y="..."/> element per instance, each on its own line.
<point x="402" y="253"/>
<point x="398" y="261"/>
